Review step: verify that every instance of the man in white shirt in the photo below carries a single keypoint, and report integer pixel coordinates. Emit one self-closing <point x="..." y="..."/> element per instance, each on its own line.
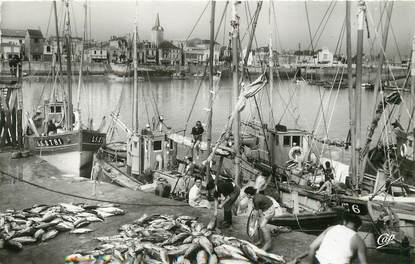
<point x="337" y="244"/>
<point x="195" y="196"/>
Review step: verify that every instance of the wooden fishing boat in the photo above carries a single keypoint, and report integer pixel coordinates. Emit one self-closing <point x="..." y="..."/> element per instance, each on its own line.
<point x="67" y="145"/>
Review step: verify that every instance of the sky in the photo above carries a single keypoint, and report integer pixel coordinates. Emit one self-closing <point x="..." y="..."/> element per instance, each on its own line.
<point x="289" y="24"/>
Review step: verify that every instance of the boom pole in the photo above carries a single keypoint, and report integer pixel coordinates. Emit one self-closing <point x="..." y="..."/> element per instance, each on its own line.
<point x="350" y="87"/>
<point x="358" y="92"/>
<point x="211" y="55"/>
<point x="235" y="63"/>
<point x="69" y="111"/>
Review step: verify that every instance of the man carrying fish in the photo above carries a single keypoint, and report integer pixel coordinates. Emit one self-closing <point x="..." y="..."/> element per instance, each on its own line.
<point x="337" y="244"/>
<point x="228" y="192"/>
<point x="265" y="209"/>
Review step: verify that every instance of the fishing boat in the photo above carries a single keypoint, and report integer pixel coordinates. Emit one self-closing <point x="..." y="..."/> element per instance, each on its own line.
<point x="384" y="174"/>
<point x="70" y="147"/>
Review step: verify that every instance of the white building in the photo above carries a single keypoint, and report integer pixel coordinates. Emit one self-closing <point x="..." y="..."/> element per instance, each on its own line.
<point x="324" y="56"/>
<point x="11" y="41"/>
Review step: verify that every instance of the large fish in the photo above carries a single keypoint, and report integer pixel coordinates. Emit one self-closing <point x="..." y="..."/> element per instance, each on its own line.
<point x="249" y="252"/>
<point x="49" y="216"/>
<point x="111" y="210"/>
<point x="192" y="248"/>
<point x="43" y="225"/>
<point x="81" y="223"/>
<point x="28" y="231"/>
<point x="213" y="259"/>
<point x="24" y="240"/>
<point x="179" y="237"/>
<point x="80" y="231"/>
<point x="13" y="245"/>
<point x="202" y="257"/>
<point x="206" y="244"/>
<point x="64" y="226"/>
<point x="178" y="250"/>
<point x="49" y="235"/>
<point x="38" y="234"/>
<point x="71" y="208"/>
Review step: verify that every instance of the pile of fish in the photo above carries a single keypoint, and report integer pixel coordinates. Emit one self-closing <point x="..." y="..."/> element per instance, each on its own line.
<point x="164" y="239"/>
<point x="44" y="222"/>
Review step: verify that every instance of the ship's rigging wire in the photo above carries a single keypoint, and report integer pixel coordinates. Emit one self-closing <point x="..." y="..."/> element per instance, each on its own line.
<point x="204" y="74"/>
<point x="197" y="21"/>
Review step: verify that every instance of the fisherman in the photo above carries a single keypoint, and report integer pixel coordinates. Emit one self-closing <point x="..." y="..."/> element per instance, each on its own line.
<point x="328" y="171"/>
<point x="96" y="175"/>
<point x="197" y="132"/>
<point x="228" y="192"/>
<point x="265" y="209"/>
<point x="185" y="182"/>
<point x="195" y="195"/>
<point x="337" y="244"/>
<point x="51" y="127"/>
<point x="326" y="187"/>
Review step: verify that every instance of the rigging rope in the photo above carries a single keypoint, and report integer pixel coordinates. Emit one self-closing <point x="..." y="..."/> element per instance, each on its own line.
<point x="309" y="26"/>
<point x="197" y="22"/>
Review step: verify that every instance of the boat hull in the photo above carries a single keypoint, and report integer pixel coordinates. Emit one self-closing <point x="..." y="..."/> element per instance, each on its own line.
<point x="311" y="223"/>
<point x="71" y="152"/>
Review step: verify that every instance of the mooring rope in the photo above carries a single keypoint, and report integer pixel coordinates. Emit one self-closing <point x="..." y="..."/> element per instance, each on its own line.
<point x="87" y="198"/>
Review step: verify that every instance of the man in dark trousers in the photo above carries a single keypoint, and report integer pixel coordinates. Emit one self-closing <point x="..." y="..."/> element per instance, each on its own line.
<point x="265" y="209"/>
<point x="337" y="244"/>
<point x="227" y="192"/>
<point x="197" y="132"/>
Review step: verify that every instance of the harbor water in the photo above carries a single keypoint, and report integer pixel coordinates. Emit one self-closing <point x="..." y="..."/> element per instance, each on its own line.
<point x="183" y="102"/>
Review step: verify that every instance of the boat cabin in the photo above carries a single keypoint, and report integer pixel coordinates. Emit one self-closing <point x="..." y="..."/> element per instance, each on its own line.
<point x="150" y="150"/>
<point x="283" y="142"/>
<point x="54" y="111"/>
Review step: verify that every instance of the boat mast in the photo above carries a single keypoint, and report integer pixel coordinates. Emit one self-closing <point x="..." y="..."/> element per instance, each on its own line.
<point x="382" y="55"/>
<point x="78" y="106"/>
<point x="350" y="87"/>
<point x="69" y="121"/>
<point x="358" y="91"/>
<point x="236" y="127"/>
<point x="57" y="38"/>
<point x="271" y="69"/>
<point x="413" y="76"/>
<point x="374" y="123"/>
<point x="211" y="55"/>
<point x="135" y="87"/>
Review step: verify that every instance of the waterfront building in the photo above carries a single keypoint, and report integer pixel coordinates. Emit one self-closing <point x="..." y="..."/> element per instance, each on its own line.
<point x="324" y="56"/>
<point x="11" y="41"/>
<point x="197" y="52"/>
<point x="96" y="53"/>
<point x="50" y="47"/>
<point x="157" y="33"/>
<point x="169" y="54"/>
<point x="147" y="53"/>
<point x="118" y="49"/>
<point x="33" y="47"/>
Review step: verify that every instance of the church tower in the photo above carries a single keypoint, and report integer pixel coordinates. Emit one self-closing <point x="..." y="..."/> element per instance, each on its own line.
<point x="157" y="32"/>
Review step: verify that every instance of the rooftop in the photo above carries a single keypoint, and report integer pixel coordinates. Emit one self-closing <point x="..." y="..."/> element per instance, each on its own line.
<point x="13" y="32"/>
<point x="35" y="33"/>
<point x="167" y="45"/>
